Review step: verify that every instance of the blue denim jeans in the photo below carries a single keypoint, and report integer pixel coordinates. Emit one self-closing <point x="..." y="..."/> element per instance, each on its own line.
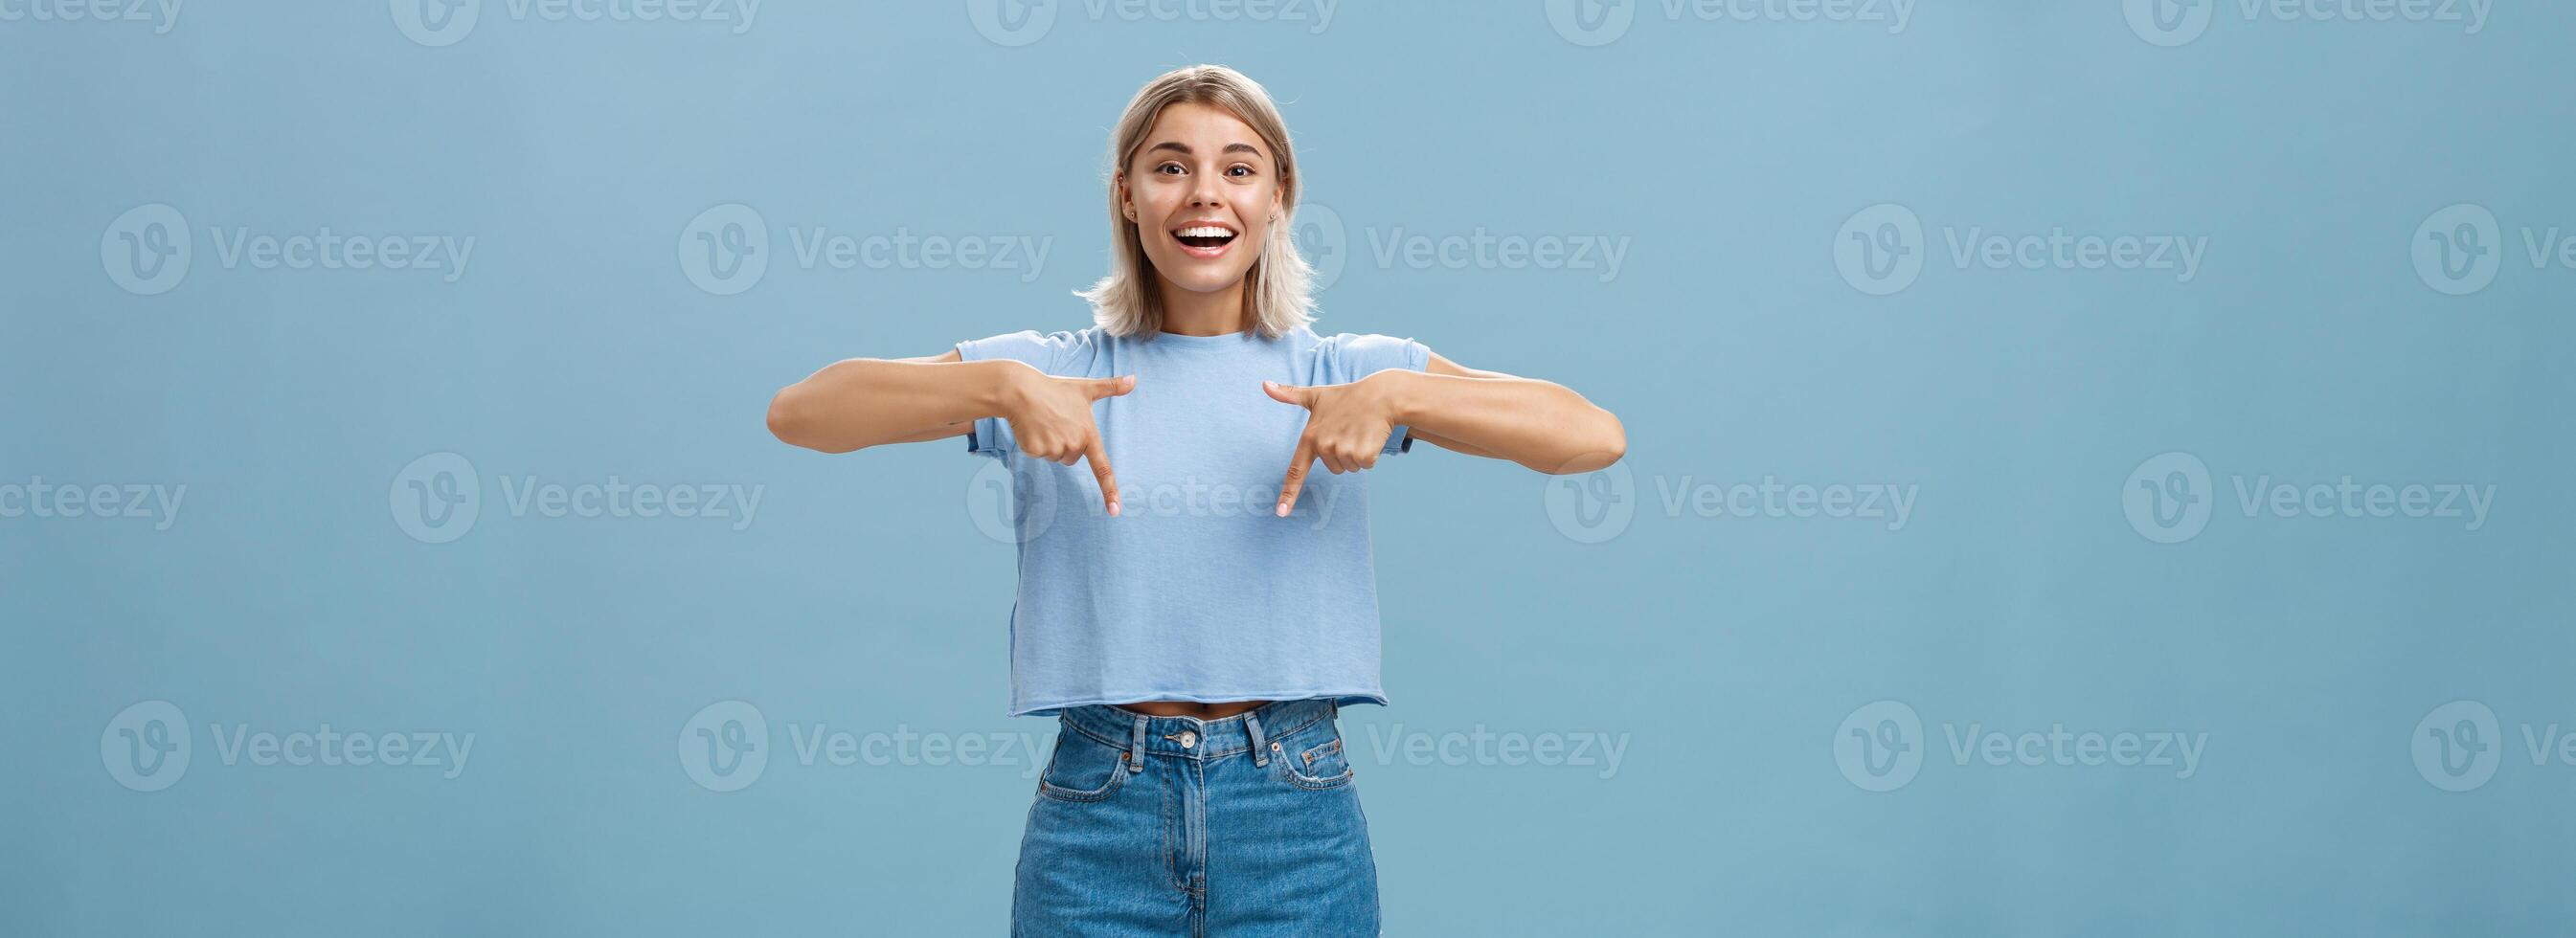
<point x="1246" y="826"/>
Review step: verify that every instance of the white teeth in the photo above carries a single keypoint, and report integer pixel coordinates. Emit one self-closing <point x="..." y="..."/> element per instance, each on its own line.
<point x="1205" y="231"/>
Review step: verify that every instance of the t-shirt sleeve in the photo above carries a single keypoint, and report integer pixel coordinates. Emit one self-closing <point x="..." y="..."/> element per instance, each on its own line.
<point x="1359" y="356"/>
<point x="991" y="436"/>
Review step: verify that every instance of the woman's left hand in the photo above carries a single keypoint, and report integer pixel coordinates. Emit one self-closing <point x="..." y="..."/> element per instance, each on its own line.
<point x="1346" y="426"/>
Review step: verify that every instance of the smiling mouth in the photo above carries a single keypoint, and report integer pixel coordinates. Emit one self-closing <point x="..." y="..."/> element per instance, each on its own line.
<point x="1204" y="240"/>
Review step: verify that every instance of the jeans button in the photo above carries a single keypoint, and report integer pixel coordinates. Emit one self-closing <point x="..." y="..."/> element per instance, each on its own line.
<point x="1189" y="739"/>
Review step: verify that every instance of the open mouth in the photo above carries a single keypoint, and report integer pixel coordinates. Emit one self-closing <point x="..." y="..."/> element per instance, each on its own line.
<point x="1204" y="240"/>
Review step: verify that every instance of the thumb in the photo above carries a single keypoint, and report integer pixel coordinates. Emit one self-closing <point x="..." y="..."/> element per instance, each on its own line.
<point x="1112" y="387"/>
<point x="1287" y="393"/>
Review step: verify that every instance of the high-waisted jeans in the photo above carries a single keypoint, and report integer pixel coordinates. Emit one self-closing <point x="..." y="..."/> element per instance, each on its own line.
<point x="1245" y="826"/>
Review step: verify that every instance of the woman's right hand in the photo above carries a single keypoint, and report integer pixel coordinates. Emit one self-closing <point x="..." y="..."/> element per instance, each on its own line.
<point x="1051" y="416"/>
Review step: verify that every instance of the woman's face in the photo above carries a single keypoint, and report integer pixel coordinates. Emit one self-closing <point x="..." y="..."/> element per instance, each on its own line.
<point x="1201" y="191"/>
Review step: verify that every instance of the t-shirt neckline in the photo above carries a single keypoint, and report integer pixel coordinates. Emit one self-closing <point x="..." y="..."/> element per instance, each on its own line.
<point x="1222" y="340"/>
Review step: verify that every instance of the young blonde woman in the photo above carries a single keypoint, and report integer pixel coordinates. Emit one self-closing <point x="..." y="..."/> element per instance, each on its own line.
<point x="1194" y="606"/>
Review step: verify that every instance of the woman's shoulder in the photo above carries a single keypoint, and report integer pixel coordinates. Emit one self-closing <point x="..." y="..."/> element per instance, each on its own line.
<point x="1360" y="354"/>
<point x="1051" y="351"/>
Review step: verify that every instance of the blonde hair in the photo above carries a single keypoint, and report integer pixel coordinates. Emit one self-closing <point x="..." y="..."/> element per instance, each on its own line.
<point x="1129" y="301"/>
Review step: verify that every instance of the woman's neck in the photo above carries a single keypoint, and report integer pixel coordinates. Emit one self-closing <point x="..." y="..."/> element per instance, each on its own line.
<point x="1219" y="313"/>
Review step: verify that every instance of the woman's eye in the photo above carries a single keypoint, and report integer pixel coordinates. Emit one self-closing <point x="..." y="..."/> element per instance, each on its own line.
<point x="1168" y="167"/>
<point x="1239" y="170"/>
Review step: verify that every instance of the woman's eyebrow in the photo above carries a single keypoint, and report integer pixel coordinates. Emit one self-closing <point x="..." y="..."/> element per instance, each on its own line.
<point x="1184" y="150"/>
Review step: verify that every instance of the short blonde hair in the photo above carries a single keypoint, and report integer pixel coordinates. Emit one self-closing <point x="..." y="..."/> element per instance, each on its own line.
<point x="1129" y="302"/>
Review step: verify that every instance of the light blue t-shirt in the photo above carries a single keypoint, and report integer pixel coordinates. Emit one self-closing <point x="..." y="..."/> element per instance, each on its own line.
<point x="1197" y="590"/>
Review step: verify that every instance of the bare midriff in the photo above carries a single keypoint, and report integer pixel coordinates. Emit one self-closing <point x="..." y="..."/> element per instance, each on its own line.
<point x="1191" y="708"/>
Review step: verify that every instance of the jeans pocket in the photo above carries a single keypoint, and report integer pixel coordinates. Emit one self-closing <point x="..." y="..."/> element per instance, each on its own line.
<point x="1314" y="757"/>
<point x="1082" y="768"/>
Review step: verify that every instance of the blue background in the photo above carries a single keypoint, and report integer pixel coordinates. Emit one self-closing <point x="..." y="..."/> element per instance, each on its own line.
<point x="1726" y="651"/>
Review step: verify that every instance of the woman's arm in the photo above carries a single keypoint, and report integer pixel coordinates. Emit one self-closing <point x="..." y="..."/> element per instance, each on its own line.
<point x="863" y="402"/>
<point x="1539" y="424"/>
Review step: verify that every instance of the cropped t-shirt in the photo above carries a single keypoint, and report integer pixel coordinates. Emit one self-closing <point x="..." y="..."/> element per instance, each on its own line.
<point x="1197" y="590"/>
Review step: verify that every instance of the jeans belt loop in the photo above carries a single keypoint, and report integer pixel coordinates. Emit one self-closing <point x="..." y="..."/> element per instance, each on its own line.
<point x="1136" y="747"/>
<point x="1252" y="726"/>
